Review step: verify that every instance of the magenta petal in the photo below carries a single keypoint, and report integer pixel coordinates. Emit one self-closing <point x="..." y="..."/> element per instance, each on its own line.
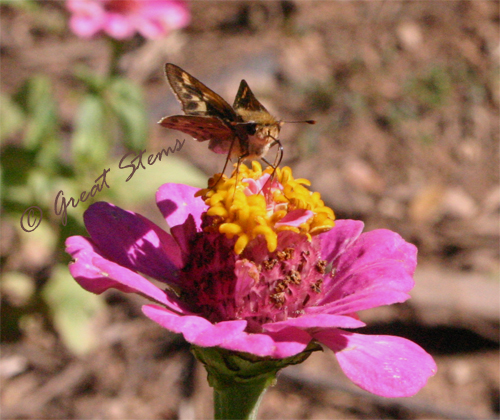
<point x="374" y="270"/>
<point x="382" y="283"/>
<point x="359" y="302"/>
<point x="119" y="26"/>
<point x="372" y="247"/>
<point x="229" y="335"/>
<point x="196" y="330"/>
<point x="177" y="201"/>
<point x="183" y="234"/>
<point x="277" y="345"/>
<point x="85" y="273"/>
<point x="87" y="17"/>
<point x="157" y="18"/>
<point x="339" y="238"/>
<point x="85" y="27"/>
<point x="97" y="274"/>
<point x="246" y="273"/>
<point x="149" y="27"/>
<point x="133" y="241"/>
<point x="289" y="342"/>
<point x="384" y="365"/>
<point x="316" y="321"/>
<point x="173" y="14"/>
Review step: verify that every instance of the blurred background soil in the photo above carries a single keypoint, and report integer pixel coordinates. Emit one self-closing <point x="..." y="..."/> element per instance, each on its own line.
<point x="406" y="98"/>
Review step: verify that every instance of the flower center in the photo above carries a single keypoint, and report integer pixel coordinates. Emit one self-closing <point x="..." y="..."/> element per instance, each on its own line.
<point x="258" y="256"/>
<point x="285" y="281"/>
<point x="254" y="202"/>
<point x="258" y="286"/>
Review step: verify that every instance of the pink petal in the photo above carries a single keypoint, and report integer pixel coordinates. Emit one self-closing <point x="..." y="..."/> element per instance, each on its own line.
<point x="158" y="18"/>
<point x="383" y="365"/>
<point x="256" y="186"/>
<point x="229" y="334"/>
<point x="133" y="241"/>
<point x="86" y="26"/>
<point x="337" y="240"/>
<point x="119" y="26"/>
<point x="380" y="244"/>
<point x="183" y="234"/>
<point x="172" y="14"/>
<point x="177" y="201"/>
<point x="97" y="274"/>
<point x="152" y="18"/>
<point x="316" y="321"/>
<point x="151" y="28"/>
<point x="374" y="270"/>
<point x="265" y="345"/>
<point x="91" y="278"/>
<point x="382" y="283"/>
<point x="289" y="342"/>
<point x="196" y="330"/>
<point x="295" y="218"/>
<point x="246" y="276"/>
<point x="359" y="302"/>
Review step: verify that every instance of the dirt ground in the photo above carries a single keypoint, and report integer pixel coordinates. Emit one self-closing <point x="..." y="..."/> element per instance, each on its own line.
<point x="406" y="98"/>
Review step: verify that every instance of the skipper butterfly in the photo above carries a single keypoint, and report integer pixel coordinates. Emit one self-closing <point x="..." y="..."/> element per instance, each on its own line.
<point x="244" y="131"/>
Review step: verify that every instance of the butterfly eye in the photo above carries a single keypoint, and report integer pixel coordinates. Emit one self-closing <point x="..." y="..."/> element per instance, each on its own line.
<point x="251" y="128"/>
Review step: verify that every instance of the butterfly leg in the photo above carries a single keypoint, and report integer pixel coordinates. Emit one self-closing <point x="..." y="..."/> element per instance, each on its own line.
<point x="240" y="159"/>
<point x="228" y="158"/>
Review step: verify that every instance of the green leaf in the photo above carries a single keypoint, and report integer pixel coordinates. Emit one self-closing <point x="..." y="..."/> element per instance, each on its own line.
<point x="11" y="116"/>
<point x="90" y="140"/>
<point x="126" y="101"/>
<point x="17" y="162"/>
<point x="23" y="5"/>
<point x="73" y="310"/>
<point x="41" y="111"/>
<point x="95" y="83"/>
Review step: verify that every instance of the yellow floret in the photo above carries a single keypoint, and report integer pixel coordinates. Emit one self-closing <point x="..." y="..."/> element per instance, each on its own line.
<point x="248" y="216"/>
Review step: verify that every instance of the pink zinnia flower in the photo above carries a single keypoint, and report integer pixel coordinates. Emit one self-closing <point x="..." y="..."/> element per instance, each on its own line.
<point x="256" y="266"/>
<point x="121" y="19"/>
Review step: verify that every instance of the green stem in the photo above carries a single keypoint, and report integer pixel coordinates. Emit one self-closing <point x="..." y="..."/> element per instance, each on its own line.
<point x="117" y="49"/>
<point x="240" y="380"/>
<point x="240" y="400"/>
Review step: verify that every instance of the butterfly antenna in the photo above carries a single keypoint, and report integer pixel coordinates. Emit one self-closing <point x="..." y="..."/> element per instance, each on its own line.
<point x="300" y="122"/>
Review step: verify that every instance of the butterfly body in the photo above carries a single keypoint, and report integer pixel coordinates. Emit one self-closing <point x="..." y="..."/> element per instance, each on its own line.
<point x="244" y="131"/>
<point x="260" y="136"/>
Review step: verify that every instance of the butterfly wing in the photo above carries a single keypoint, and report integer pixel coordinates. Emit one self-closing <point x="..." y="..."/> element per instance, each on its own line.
<point x="246" y="100"/>
<point x="202" y="129"/>
<point x="197" y="99"/>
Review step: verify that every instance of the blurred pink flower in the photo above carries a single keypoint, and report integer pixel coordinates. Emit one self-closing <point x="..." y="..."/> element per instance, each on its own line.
<point x="121" y="19"/>
<point x="283" y="289"/>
